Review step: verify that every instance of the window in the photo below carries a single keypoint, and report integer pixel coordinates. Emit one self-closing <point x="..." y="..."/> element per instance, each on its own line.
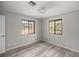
<point x="55" y="26"/>
<point x="28" y="27"/>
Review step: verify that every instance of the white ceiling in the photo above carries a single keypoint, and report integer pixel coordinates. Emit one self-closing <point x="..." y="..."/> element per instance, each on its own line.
<point x="42" y="9"/>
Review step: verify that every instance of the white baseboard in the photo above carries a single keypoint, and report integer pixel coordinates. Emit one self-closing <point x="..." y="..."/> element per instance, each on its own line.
<point x="62" y="46"/>
<point x="23" y="44"/>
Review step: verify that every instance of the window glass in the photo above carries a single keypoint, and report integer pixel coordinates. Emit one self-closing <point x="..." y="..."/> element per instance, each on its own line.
<point x="55" y="26"/>
<point x="28" y="27"/>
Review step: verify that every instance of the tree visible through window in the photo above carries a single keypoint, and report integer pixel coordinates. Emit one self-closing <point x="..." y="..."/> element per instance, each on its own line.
<point x="55" y="26"/>
<point x="28" y="27"/>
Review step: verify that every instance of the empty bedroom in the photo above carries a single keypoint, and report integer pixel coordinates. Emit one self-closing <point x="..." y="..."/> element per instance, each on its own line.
<point x="39" y="28"/>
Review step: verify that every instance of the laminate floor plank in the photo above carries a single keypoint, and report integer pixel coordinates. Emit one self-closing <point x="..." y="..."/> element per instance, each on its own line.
<point x="41" y="49"/>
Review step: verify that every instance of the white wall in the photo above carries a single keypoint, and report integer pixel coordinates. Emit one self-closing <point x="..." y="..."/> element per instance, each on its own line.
<point x="70" y="37"/>
<point x="13" y="30"/>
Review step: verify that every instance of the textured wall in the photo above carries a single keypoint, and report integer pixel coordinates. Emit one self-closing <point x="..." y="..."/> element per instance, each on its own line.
<point x="70" y="37"/>
<point x="13" y="30"/>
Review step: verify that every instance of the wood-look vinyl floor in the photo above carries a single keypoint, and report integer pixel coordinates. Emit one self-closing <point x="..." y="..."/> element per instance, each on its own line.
<point x="42" y="49"/>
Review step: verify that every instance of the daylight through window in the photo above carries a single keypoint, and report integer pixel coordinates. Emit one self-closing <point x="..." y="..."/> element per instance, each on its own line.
<point x="55" y="26"/>
<point x="28" y="27"/>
